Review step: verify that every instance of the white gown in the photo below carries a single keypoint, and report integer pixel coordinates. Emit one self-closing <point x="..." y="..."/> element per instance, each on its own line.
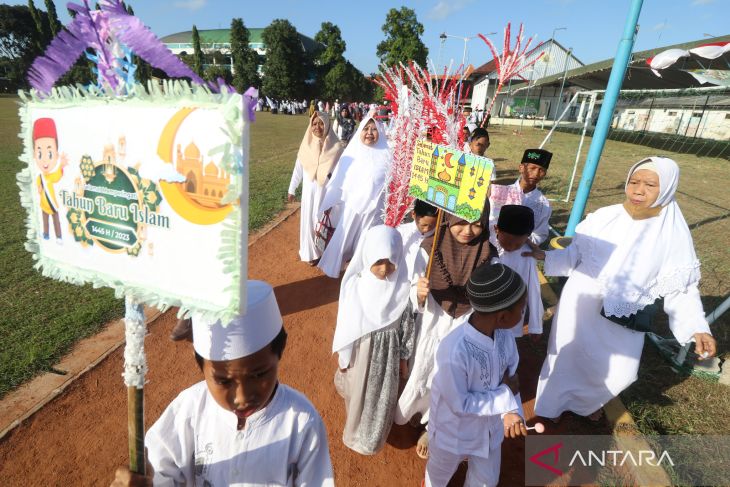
<point x="432" y="325"/>
<point x="356" y="194"/>
<point x="196" y="442"/>
<point x="535" y="200"/>
<point x="526" y="267"/>
<point x="412" y="238"/>
<point x="591" y="359"/>
<point x="312" y="195"/>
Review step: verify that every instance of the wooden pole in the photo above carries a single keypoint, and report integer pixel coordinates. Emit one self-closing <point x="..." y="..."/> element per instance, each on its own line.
<point x="135" y="429"/>
<point x="436" y="235"/>
<point x="135" y="368"/>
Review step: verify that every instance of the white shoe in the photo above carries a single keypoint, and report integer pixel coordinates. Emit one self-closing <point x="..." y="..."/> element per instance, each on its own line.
<point x="59" y="241"/>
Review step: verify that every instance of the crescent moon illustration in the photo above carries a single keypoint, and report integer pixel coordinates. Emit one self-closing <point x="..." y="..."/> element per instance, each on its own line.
<point x="178" y="199"/>
<point x="447" y="160"/>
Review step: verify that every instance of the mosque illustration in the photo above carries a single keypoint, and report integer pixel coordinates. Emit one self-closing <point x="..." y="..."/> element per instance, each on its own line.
<point x="204" y="183"/>
<point x="443" y="188"/>
<point x="451" y="179"/>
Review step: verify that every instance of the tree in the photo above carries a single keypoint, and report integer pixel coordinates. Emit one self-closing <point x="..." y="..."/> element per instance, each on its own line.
<point x="215" y="71"/>
<point x="19" y="43"/>
<point x="330" y="36"/>
<point x="337" y="77"/>
<point x="41" y="40"/>
<point x="197" y="53"/>
<point x="244" y="59"/>
<point x="144" y="69"/>
<point x="54" y="23"/>
<point x="402" y="39"/>
<point x="285" y="68"/>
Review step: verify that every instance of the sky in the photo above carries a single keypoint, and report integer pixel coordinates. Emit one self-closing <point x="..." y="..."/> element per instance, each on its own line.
<point x="592" y="28"/>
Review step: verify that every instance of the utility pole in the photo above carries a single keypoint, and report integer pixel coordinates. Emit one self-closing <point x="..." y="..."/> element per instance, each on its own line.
<point x="562" y="83"/>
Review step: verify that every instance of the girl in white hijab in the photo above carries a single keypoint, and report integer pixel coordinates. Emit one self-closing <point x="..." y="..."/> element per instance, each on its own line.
<point x="623" y="258"/>
<point x="356" y="193"/>
<point x="318" y="153"/>
<point x="374" y="338"/>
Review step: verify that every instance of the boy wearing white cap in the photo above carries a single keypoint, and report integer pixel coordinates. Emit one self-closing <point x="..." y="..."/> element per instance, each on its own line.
<point x="475" y="399"/>
<point x="239" y="426"/>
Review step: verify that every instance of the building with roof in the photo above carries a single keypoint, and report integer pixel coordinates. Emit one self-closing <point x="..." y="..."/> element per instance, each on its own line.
<point x="212" y="40"/>
<point x="675" y="103"/>
<point x="554" y="59"/>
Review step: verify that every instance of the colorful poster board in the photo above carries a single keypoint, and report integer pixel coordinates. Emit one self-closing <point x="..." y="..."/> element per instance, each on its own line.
<point x="450" y="179"/>
<point x="141" y="195"/>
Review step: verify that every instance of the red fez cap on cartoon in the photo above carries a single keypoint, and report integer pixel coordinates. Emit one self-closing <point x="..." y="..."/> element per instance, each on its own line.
<point x="44" y="127"/>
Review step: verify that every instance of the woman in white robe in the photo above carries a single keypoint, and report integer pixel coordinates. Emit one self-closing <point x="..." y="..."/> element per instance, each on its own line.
<point x="623" y="258"/>
<point x="355" y="193"/>
<point x="318" y="154"/>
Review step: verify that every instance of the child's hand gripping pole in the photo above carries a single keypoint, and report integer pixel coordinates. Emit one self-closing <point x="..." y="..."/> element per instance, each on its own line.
<point x="436" y="235"/>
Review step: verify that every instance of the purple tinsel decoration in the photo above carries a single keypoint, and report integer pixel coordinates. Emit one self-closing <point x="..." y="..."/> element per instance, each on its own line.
<point x="92" y="29"/>
<point x="250" y="97"/>
<point x="130" y="31"/>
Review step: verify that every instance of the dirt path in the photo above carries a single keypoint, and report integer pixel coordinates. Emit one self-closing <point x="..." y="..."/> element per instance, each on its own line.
<point x="80" y="437"/>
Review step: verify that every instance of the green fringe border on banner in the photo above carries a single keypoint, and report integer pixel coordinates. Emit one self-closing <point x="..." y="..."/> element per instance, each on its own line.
<point x="234" y="159"/>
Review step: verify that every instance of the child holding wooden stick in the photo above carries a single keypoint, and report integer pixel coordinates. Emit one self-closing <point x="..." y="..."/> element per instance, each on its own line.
<point x="441" y="299"/>
<point x="240" y="425"/>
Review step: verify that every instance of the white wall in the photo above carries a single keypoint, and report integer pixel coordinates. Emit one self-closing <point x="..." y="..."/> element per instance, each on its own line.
<point x="712" y="124"/>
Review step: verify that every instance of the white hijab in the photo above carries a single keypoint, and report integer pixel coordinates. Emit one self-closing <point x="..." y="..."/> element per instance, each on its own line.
<point x="656" y="261"/>
<point x="359" y="177"/>
<point x="367" y="303"/>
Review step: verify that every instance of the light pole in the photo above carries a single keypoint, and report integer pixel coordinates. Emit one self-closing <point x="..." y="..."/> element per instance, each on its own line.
<point x="550" y="52"/>
<point x="562" y="83"/>
<point x="443" y="37"/>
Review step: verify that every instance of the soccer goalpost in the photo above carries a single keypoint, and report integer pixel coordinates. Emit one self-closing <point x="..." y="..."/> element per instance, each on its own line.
<point x="693" y="121"/>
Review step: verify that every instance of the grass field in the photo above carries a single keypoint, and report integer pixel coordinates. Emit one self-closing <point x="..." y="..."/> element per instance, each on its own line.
<point x="41" y="319"/>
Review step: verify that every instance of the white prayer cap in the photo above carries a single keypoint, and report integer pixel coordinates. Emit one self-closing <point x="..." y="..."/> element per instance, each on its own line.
<point x="246" y="334"/>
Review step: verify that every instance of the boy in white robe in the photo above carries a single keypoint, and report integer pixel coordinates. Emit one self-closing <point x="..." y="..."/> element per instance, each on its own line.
<point x="475" y="398"/>
<point x="239" y="426"/>
<point x="423" y="224"/>
<point x="533" y="169"/>
<point x="513" y="229"/>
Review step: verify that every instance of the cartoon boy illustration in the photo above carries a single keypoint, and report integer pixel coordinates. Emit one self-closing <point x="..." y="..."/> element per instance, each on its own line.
<point x="46" y="156"/>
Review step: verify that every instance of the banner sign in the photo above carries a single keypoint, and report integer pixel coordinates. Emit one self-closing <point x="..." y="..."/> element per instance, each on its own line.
<point x="140" y="195"/>
<point x="450" y="179"/>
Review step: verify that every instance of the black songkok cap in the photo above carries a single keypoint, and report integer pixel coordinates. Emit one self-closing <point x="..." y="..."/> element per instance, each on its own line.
<point x="516" y="219"/>
<point x="494" y="287"/>
<point x="541" y="157"/>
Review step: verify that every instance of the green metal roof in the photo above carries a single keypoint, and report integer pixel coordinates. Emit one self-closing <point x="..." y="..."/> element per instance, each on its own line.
<point x="223" y="36"/>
